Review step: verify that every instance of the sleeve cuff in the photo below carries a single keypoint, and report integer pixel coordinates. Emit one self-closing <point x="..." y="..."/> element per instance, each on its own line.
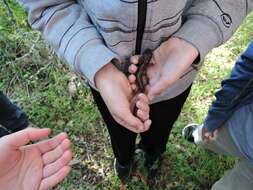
<point x="92" y="58"/>
<point x="202" y="33"/>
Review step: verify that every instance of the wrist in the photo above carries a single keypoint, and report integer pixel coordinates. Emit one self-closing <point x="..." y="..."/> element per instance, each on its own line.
<point x="184" y="50"/>
<point x="104" y="74"/>
<point x="181" y="44"/>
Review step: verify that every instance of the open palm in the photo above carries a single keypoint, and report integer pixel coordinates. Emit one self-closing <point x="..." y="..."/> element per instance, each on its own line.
<point x="33" y="167"/>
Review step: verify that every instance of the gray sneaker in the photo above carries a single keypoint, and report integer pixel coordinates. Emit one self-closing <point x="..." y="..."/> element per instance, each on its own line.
<point x="188" y="131"/>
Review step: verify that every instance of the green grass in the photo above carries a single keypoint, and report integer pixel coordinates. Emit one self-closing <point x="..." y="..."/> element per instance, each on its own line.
<point x="35" y="79"/>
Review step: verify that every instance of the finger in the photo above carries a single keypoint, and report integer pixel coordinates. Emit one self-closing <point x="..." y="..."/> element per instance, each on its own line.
<point x="142" y="115"/>
<point x="23" y="137"/>
<point x="143" y="97"/>
<point x="135" y="59"/>
<point x="50" y="144"/>
<point x="56" y="153"/>
<point x="53" y="180"/>
<point x="130" y="122"/>
<point x="142" y="106"/>
<point x="134" y="87"/>
<point x="54" y="167"/>
<point x="131" y="78"/>
<point x="132" y="69"/>
<point x="147" y="124"/>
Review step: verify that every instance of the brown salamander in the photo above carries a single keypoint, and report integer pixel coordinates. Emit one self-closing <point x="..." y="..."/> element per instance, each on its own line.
<point x="144" y="61"/>
<point x="143" y="64"/>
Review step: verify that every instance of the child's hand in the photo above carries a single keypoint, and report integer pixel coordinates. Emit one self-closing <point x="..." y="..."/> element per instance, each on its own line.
<point x="117" y="94"/>
<point x="168" y="64"/>
<point x="206" y="136"/>
<point x="38" y="166"/>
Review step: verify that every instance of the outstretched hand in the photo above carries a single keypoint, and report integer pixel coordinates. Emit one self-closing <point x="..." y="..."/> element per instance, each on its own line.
<point x="118" y="95"/>
<point x="170" y="60"/>
<point x="38" y="166"/>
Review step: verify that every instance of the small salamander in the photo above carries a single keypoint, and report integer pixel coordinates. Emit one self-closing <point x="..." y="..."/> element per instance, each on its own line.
<point x="144" y="61"/>
<point x="143" y="64"/>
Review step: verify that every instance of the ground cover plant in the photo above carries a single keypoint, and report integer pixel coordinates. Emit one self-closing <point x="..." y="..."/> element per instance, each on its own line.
<point x="55" y="97"/>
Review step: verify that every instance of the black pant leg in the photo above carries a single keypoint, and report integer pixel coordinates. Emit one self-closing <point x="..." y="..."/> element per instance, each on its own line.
<point x="122" y="139"/>
<point x="11" y="117"/>
<point x="3" y="132"/>
<point x="163" y="115"/>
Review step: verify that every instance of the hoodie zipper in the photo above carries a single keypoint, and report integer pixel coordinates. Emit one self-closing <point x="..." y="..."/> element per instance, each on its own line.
<point x="142" y="13"/>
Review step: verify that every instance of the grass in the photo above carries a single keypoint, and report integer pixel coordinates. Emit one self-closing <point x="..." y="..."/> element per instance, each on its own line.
<point x="53" y="96"/>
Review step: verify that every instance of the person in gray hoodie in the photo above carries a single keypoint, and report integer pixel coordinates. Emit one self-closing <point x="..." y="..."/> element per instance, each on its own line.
<point x="96" y="38"/>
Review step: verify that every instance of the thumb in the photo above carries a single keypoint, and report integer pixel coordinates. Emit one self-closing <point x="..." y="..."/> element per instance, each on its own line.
<point x="23" y="137"/>
<point x="129" y="121"/>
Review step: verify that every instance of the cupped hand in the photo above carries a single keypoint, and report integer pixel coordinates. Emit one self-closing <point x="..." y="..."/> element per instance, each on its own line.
<point x="170" y="61"/>
<point x="118" y="96"/>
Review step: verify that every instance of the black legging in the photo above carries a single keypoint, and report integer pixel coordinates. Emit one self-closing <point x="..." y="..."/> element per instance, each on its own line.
<point x="163" y="115"/>
<point x="11" y="117"/>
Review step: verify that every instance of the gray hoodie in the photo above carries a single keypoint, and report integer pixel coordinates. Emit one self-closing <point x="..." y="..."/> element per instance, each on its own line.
<point x="88" y="34"/>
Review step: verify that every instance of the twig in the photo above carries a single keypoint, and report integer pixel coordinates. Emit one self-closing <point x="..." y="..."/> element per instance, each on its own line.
<point x="41" y="69"/>
<point x="27" y="90"/>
